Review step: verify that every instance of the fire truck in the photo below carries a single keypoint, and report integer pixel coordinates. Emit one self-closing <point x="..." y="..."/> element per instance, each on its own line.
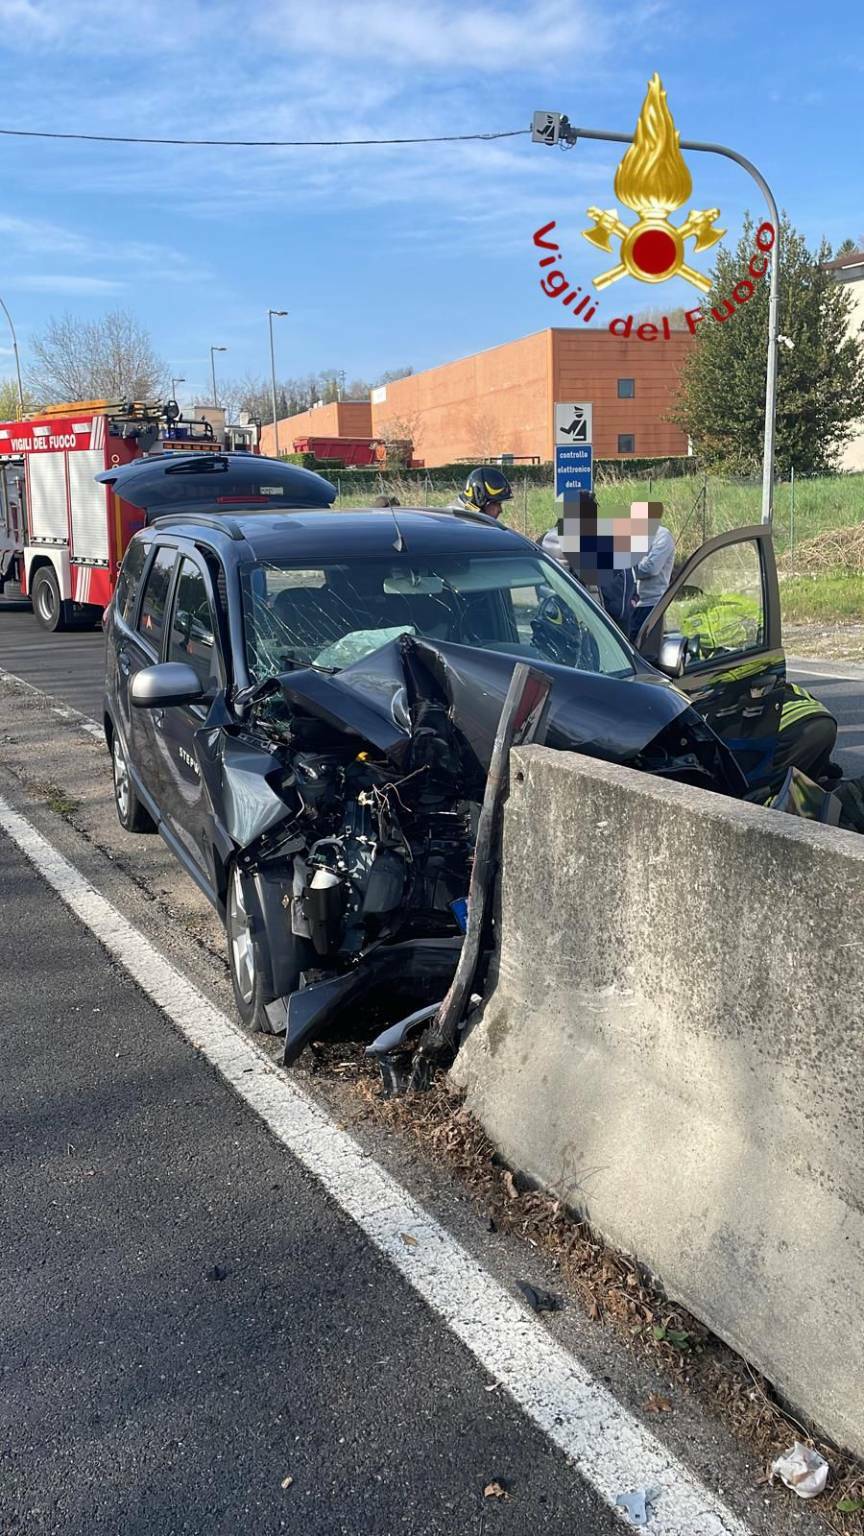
<point x="62" y="535"/>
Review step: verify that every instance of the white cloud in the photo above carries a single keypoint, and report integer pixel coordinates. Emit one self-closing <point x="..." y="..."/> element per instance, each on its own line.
<point x="97" y="26"/>
<point x="59" y="283"/>
<point x="432" y="35"/>
<point x="483" y="36"/>
<point x="39" y="237"/>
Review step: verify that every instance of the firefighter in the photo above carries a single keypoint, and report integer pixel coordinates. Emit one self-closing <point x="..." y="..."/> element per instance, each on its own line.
<point x="805" y="737"/>
<point x="486" y="490"/>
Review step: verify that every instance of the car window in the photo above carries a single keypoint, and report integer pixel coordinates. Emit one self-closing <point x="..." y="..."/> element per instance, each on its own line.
<point x="151" y="619"/>
<point x="129" y="578"/>
<point x="721" y="610"/>
<point x="335" y="615"/>
<point x="193" y="629"/>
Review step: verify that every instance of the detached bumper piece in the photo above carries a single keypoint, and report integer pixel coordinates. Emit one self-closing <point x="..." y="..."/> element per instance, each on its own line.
<point x="313" y="1012"/>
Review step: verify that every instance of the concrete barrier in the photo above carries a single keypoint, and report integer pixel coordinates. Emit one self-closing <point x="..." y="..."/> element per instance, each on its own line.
<point x="673" y="1045"/>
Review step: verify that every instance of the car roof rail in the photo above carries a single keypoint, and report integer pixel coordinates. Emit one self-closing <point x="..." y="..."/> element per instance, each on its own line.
<point x="200" y="520"/>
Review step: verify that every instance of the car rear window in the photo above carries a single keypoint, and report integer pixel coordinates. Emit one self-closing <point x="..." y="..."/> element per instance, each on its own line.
<point x="151" y="620"/>
<point x="129" y="579"/>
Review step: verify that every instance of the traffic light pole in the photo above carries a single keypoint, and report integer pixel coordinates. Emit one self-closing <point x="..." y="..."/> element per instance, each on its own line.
<point x="570" y="135"/>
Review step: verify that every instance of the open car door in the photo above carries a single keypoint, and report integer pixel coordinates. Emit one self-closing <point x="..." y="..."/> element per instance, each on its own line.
<point x="717" y="633"/>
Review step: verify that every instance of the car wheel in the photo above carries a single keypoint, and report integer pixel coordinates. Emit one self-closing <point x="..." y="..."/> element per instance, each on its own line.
<point x="48" y="607"/>
<point x="131" y="814"/>
<point x="244" y="959"/>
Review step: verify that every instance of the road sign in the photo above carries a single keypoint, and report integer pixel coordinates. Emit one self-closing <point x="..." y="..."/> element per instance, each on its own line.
<point x="546" y="127"/>
<point x="574" y="423"/>
<point x="574" y="470"/>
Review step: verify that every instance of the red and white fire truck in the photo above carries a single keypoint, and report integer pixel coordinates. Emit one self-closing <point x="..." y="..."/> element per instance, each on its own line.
<point x="62" y="535"/>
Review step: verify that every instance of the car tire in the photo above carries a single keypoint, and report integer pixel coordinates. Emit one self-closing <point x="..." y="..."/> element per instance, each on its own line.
<point x="48" y="607"/>
<point x="131" y="814"/>
<point x="245" y="961"/>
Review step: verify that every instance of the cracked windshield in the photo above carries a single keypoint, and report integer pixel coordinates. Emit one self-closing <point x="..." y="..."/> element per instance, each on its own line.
<point x="336" y="615"/>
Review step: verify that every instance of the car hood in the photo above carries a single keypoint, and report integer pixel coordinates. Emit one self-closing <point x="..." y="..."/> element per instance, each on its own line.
<point x="435" y="708"/>
<point x="386" y="698"/>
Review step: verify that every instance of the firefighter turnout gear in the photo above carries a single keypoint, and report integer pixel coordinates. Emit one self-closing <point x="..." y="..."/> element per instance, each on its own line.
<point x="806" y="735"/>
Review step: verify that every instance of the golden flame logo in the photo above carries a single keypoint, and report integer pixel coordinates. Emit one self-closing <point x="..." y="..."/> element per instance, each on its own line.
<point x="653" y="180"/>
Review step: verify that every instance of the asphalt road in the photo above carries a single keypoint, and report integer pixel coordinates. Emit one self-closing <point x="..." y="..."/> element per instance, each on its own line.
<point x="187" y="1319"/>
<point x="840" y="686"/>
<point x="70" y="666"/>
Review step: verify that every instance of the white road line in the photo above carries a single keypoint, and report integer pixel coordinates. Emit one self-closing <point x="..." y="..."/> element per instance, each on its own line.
<point x="64" y="711"/>
<point x="611" y="1451"/>
<point x="824" y="668"/>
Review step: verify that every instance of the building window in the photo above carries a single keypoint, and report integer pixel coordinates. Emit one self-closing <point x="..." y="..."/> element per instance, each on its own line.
<point x="626" y="442"/>
<point x="626" y="389"/>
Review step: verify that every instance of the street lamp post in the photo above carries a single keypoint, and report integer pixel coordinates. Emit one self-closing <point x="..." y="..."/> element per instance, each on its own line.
<point x="570" y="135"/>
<point x="174" y="383"/>
<point x="17" y="358"/>
<point x="213" y="369"/>
<point x="270" y="313"/>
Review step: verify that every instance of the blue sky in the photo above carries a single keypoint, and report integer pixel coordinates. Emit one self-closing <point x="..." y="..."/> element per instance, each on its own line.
<point x="384" y="257"/>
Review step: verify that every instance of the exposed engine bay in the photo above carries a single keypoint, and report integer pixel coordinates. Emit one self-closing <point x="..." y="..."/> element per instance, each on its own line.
<point x="383" y="854"/>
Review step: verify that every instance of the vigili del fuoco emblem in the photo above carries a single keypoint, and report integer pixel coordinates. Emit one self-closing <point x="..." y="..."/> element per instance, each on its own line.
<point x="654" y="181"/>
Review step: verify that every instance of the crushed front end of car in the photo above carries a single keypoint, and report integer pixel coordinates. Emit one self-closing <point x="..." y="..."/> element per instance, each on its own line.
<point x="350" y="801"/>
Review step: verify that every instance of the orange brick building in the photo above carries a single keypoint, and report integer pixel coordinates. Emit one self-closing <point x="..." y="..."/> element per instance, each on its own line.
<point x="500" y="401"/>
<point x="341" y="418"/>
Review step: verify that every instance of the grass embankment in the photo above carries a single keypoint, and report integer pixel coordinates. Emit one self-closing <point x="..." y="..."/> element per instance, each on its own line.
<point x="696" y="506"/>
<point x="834" y="598"/>
<point x="822" y="578"/>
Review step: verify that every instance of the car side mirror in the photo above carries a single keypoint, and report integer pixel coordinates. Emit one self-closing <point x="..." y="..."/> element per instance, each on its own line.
<point x="169" y="682"/>
<point x="673" y="655"/>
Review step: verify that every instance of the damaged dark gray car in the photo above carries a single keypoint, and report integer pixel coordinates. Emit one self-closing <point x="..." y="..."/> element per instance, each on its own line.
<point x="304" y="703"/>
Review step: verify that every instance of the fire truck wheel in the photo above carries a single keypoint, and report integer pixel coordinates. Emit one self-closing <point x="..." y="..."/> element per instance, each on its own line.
<point x="131" y="814"/>
<point x="49" y="609"/>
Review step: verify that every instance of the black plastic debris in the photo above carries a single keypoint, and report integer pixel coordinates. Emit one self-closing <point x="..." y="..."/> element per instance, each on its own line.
<point x="540" y="1301"/>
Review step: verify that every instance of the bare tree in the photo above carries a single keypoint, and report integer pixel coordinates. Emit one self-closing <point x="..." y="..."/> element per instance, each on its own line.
<point x="485" y="434"/>
<point x="399" y="433"/>
<point x="230" y="395"/>
<point x="111" y="358"/>
<point x="676" y="318"/>
<point x="253" y="394"/>
<point x="390" y="375"/>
